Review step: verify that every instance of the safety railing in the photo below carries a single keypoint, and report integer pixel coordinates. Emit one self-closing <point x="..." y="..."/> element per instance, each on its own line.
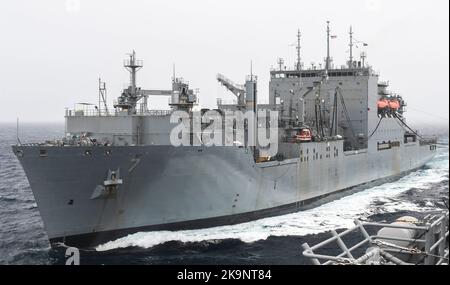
<point x="224" y="102"/>
<point x="431" y="242"/>
<point x="137" y="62"/>
<point x="114" y="113"/>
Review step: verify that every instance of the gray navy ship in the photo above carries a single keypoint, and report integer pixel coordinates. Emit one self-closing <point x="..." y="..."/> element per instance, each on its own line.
<point x="116" y="172"/>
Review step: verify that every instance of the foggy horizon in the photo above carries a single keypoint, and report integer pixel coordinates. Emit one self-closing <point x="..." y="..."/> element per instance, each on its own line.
<point x="53" y="52"/>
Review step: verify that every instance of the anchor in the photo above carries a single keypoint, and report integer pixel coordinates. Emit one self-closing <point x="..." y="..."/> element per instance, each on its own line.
<point x="109" y="187"/>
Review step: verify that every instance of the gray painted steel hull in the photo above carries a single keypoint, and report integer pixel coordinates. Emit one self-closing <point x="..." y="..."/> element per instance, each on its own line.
<point x="168" y="187"/>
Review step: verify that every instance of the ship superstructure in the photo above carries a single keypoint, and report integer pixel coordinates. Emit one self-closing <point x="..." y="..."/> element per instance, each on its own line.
<point x="116" y="171"/>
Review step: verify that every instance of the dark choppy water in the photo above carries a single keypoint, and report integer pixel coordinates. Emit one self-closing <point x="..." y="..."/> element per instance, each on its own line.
<point x="274" y="240"/>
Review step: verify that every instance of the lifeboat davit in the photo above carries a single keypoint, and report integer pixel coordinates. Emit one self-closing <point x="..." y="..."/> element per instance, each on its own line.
<point x="394" y="104"/>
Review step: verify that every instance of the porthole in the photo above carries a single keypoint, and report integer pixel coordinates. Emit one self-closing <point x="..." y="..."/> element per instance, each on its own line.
<point x="88" y="152"/>
<point x="43" y="152"/>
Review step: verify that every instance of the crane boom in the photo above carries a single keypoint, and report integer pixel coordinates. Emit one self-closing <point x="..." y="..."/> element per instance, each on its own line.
<point x="237" y="89"/>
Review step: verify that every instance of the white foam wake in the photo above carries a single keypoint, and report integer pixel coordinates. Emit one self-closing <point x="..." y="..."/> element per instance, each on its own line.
<point x="337" y="214"/>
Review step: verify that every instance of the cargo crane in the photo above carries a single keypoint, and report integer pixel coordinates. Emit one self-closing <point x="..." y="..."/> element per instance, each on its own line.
<point x="237" y="89"/>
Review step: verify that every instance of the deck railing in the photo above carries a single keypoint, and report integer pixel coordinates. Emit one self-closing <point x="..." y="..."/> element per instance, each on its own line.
<point x="114" y="113"/>
<point x="433" y="238"/>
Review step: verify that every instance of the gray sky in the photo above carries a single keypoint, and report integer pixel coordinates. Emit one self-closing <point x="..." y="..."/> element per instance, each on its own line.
<point x="53" y="51"/>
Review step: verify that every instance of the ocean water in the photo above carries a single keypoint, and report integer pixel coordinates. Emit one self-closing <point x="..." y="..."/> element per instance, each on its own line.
<point x="275" y="240"/>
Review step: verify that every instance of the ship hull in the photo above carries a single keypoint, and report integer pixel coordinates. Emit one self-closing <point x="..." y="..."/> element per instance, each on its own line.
<point x="176" y="188"/>
<point x="96" y="238"/>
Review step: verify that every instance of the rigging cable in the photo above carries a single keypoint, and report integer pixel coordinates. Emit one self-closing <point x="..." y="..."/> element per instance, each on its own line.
<point x="347" y="117"/>
<point x="333" y="129"/>
<point x="346" y="114"/>
<point x="414" y="132"/>
<point x="376" y="128"/>
<point x="423" y="139"/>
<point x="429" y="114"/>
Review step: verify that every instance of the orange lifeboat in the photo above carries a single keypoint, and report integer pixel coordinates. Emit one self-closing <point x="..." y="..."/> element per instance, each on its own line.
<point x="304" y="135"/>
<point x="382" y="104"/>
<point x="394" y="104"/>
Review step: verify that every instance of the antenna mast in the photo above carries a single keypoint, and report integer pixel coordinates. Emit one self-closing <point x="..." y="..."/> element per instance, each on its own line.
<point x="299" y="63"/>
<point x="363" y="59"/>
<point x="133" y="66"/>
<point x="350" y="62"/>
<point x="327" y="63"/>
<point x="280" y="63"/>
<point x="173" y="70"/>
<point x="298" y="50"/>
<point x="130" y="96"/>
